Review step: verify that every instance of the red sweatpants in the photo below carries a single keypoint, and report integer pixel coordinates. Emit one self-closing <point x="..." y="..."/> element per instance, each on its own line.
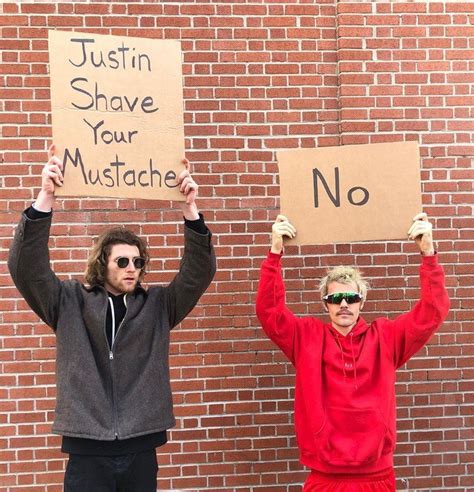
<point x="383" y="481"/>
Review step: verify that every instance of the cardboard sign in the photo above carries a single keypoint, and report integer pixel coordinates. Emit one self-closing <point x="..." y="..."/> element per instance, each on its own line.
<point x="117" y="109"/>
<point x="350" y="193"/>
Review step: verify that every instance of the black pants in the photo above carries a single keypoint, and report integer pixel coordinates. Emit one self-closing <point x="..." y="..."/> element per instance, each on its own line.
<point x="127" y="473"/>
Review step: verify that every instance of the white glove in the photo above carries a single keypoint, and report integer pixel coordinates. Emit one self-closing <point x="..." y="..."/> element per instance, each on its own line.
<point x="422" y="232"/>
<point x="280" y="228"/>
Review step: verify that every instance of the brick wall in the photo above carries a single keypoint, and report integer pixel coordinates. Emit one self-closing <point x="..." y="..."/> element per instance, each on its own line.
<point x="258" y="76"/>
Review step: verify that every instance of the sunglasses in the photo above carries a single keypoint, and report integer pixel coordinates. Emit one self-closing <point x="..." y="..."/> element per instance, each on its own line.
<point x="349" y="297"/>
<point x="123" y="261"/>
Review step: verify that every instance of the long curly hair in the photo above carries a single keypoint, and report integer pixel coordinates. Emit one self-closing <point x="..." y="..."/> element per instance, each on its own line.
<point x="99" y="255"/>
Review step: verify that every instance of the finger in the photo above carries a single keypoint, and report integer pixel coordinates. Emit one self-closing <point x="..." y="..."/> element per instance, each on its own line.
<point x="190" y="187"/>
<point x="412" y="231"/>
<point x="51" y="151"/>
<point x="54" y="177"/>
<point x="288" y="234"/>
<point x="284" y="230"/>
<point x="55" y="167"/>
<point x="288" y="225"/>
<point x="421" y="216"/>
<point x="183" y="183"/>
<point x="188" y="181"/>
<point x="55" y="163"/>
<point x="281" y="218"/>
<point x="191" y="196"/>
<point x="419" y="229"/>
<point x="187" y="165"/>
<point x="52" y="158"/>
<point x="183" y="175"/>
<point x="420" y="224"/>
<point x="187" y="184"/>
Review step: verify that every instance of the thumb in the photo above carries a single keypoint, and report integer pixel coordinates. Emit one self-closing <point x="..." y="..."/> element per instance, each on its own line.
<point x="51" y="151"/>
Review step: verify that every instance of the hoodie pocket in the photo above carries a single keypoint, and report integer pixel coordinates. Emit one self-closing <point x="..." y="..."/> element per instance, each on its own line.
<point x="353" y="437"/>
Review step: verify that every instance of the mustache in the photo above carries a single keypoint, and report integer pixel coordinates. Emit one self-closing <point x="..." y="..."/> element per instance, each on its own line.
<point x="344" y="311"/>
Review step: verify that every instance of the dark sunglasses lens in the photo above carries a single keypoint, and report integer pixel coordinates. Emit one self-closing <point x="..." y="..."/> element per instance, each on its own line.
<point x="122" y="262"/>
<point x="138" y="263"/>
<point x="349" y="298"/>
<point x="336" y="298"/>
<point x="353" y="298"/>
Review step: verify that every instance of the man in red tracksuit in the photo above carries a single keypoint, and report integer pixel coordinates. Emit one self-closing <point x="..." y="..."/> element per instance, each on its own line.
<point x="345" y="369"/>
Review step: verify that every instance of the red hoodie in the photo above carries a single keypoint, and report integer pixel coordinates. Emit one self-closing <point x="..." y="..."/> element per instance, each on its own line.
<point x="345" y="385"/>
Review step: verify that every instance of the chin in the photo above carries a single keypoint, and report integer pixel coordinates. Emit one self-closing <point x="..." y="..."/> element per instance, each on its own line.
<point x="126" y="289"/>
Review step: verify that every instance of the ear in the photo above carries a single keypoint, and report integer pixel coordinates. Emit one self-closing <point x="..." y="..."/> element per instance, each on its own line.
<point x="325" y="307"/>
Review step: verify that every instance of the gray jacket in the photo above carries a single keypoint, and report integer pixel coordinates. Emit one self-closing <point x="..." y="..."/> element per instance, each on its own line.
<point x="100" y="395"/>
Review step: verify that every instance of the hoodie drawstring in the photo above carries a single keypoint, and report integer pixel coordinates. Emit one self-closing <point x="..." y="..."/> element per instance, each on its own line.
<point x="354" y="365"/>
<point x="343" y="359"/>
<point x="342" y="356"/>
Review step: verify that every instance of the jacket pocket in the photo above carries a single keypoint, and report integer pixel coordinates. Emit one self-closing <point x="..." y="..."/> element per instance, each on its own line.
<point x="353" y="437"/>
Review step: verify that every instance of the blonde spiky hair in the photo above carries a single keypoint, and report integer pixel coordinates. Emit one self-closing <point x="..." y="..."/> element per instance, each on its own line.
<point x="344" y="275"/>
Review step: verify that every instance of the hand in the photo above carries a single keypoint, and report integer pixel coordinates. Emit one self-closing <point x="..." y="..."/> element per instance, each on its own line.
<point x="52" y="173"/>
<point x="189" y="188"/>
<point x="280" y="228"/>
<point x="51" y="176"/>
<point x="422" y="232"/>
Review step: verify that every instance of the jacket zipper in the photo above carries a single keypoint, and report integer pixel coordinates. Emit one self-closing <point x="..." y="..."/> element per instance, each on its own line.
<point x="111" y="355"/>
<point x="112" y="312"/>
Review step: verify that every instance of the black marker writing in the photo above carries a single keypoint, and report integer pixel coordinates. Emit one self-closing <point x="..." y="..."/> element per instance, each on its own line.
<point x="336" y="196"/>
<point x="99" y="101"/>
<point x="107" y="136"/>
<point x="117" y="175"/>
<point x="122" y="57"/>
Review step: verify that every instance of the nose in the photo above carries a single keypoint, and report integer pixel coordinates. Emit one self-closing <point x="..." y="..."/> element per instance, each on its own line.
<point x="344" y="303"/>
<point x="130" y="266"/>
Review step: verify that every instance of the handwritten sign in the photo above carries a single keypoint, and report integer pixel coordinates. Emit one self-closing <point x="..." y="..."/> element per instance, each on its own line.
<point x="117" y="109"/>
<point x="350" y="193"/>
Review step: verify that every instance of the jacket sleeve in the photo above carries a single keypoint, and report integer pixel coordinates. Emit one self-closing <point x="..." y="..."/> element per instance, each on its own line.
<point x="411" y="331"/>
<point x="196" y="271"/>
<point x="278" y="322"/>
<point x="29" y="266"/>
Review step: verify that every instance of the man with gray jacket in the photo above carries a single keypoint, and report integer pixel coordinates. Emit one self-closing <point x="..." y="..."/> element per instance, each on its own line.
<point x="114" y="401"/>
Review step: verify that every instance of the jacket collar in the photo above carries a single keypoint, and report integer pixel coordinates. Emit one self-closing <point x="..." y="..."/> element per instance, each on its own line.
<point x="98" y="287"/>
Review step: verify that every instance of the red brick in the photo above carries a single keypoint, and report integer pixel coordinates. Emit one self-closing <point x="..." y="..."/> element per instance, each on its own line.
<point x="395" y="71"/>
<point x="13" y="20"/>
<point x="352" y="7"/>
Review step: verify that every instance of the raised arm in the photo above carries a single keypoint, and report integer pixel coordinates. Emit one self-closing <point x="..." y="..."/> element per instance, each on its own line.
<point x="411" y="331"/>
<point x="198" y="265"/>
<point x="278" y="322"/>
<point x="28" y="259"/>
